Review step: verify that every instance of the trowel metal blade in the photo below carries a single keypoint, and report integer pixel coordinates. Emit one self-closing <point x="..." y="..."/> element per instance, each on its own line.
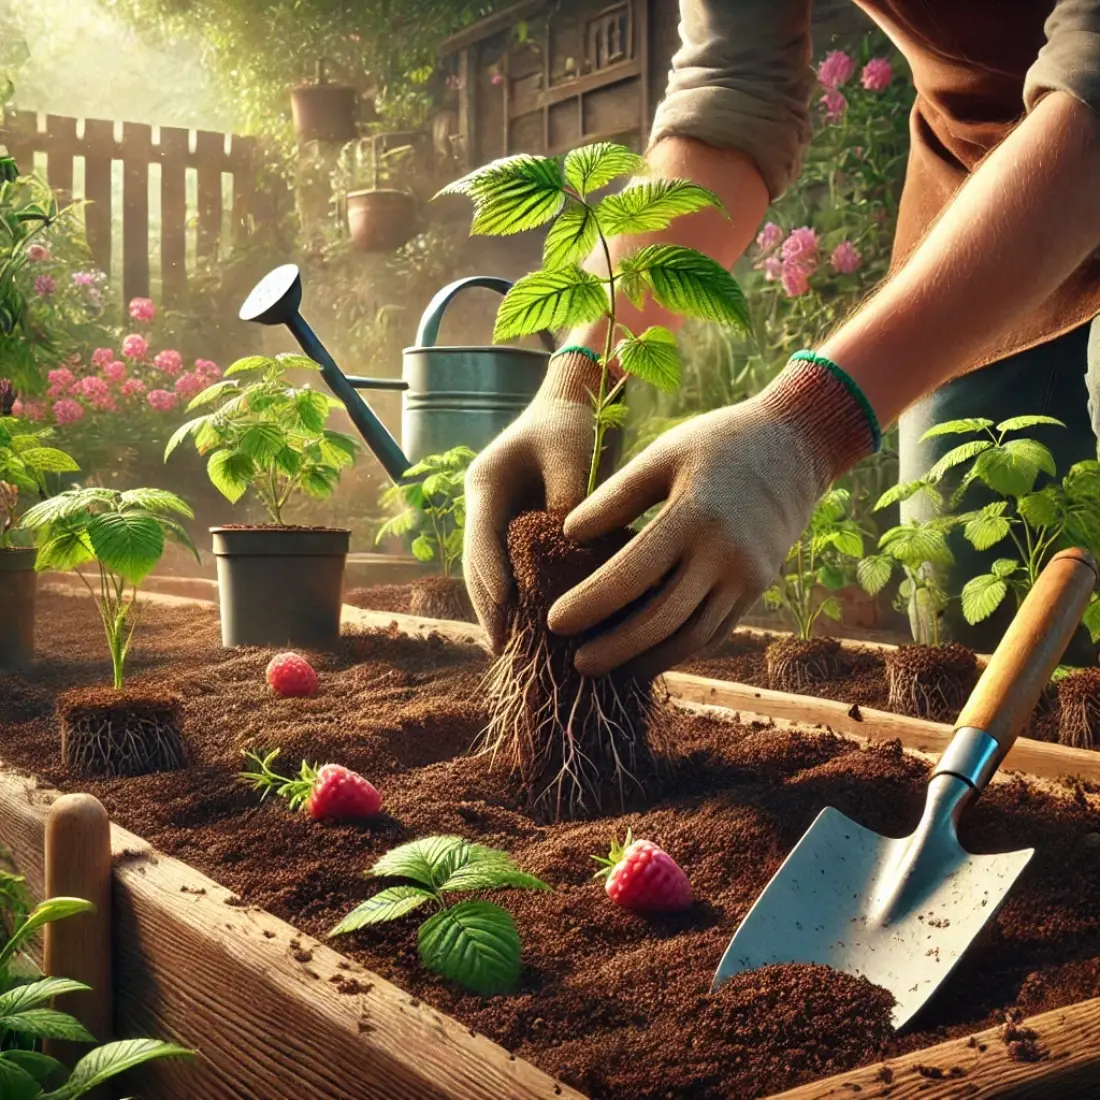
<point x="836" y="901"/>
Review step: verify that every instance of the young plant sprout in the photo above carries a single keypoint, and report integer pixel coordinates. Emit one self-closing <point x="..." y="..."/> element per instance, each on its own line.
<point x="26" y="460"/>
<point x="573" y="738"/>
<point x="473" y="943"/>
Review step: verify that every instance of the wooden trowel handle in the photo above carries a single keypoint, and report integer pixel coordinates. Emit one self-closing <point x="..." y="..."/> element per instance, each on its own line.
<point x="1031" y="648"/>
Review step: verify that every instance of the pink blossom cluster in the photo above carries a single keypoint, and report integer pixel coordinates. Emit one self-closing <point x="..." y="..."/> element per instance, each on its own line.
<point x="837" y="69"/>
<point x="791" y="258"/>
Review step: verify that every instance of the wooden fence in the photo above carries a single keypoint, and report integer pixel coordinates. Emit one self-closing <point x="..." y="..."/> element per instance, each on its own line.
<point x="100" y="145"/>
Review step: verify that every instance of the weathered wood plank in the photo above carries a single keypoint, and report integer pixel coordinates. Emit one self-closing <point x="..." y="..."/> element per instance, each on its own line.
<point x="210" y="150"/>
<point x="98" y="135"/>
<point x="60" y="149"/>
<point x="137" y="151"/>
<point x="174" y="148"/>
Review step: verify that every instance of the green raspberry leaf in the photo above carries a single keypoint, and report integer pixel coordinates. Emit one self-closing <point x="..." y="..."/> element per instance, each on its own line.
<point x="427" y="861"/>
<point x="831" y="609"/>
<point x="474" y="944"/>
<point x="988" y="527"/>
<point x="1018" y="423"/>
<point x="126" y="543"/>
<point x="981" y="596"/>
<point x="687" y="283"/>
<point x="262" y="441"/>
<point x="390" y="904"/>
<point x="653" y="357"/>
<point x="231" y="473"/>
<point x="594" y="166"/>
<point x="916" y="544"/>
<point x="652" y="205"/>
<point x="423" y="548"/>
<point x="48" y="460"/>
<point x="957" y="456"/>
<point x="874" y="572"/>
<point x="550" y="300"/>
<point x="1011" y="469"/>
<point x="1041" y="509"/>
<point x="958" y="427"/>
<point x="512" y="194"/>
<point x="242" y="366"/>
<point x="905" y="490"/>
<point x="570" y="239"/>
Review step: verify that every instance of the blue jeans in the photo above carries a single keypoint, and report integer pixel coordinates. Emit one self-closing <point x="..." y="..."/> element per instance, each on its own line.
<point x="1061" y="379"/>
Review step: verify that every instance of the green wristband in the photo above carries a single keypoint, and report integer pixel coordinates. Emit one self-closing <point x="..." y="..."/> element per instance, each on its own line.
<point x="857" y="395"/>
<point x="587" y="352"/>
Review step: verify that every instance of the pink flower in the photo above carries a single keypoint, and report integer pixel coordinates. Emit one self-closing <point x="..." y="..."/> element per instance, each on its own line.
<point x="92" y="387"/>
<point x="45" y="285"/>
<point x="845" y="258"/>
<point x="83" y="278"/>
<point x="37" y="253"/>
<point x="106" y="403"/>
<point x="135" y="347"/>
<point x="142" y="309"/>
<point x="769" y="237"/>
<point x="187" y="385"/>
<point x="132" y="386"/>
<point x="497" y="78"/>
<point x="836" y="69"/>
<point x="34" y="410"/>
<point x="67" y="410"/>
<point x="773" y="268"/>
<point x="102" y="356"/>
<point x="796" y="280"/>
<point x="17" y="407"/>
<point x="208" y="369"/>
<point x="877" y="75"/>
<point x="61" y="380"/>
<point x="800" y="249"/>
<point x="115" y="371"/>
<point x="169" y="361"/>
<point x="835" y="105"/>
<point x="161" y="400"/>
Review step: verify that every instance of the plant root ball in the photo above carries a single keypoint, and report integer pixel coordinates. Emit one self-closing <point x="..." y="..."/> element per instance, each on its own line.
<point x="441" y="598"/>
<point x="107" y="733"/>
<point x="1079" y="709"/>
<point x="930" y="682"/>
<point x="576" y="742"/>
<point x="796" y="663"/>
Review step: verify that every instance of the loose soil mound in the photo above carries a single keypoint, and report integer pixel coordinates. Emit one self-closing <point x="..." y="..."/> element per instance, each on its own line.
<point x="394" y="598"/>
<point x="441" y="598"/>
<point x="1079" y="699"/>
<point x="795" y="663"/>
<point x="930" y="682"/>
<point x="616" y="1004"/>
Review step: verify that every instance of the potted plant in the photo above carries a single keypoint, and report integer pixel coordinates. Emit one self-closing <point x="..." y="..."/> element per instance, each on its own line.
<point x="818" y="562"/>
<point x="25" y="462"/>
<point x="379" y="218"/>
<point x="117" y="730"/>
<point x="278" y="583"/>
<point x="931" y="678"/>
<point x="433" y="511"/>
<point x="322" y="111"/>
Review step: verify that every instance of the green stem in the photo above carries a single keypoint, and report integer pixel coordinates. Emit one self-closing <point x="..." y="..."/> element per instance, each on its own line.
<point x="602" y="400"/>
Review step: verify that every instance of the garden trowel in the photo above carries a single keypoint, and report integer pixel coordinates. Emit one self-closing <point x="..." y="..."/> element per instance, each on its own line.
<point x="901" y="913"/>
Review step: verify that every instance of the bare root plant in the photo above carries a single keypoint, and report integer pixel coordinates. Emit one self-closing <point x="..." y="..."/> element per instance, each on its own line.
<point x="1079" y="713"/>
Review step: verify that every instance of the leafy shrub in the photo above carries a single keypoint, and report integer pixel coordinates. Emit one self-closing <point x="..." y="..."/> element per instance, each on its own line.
<point x="474" y="943"/>
<point x="26" y="461"/>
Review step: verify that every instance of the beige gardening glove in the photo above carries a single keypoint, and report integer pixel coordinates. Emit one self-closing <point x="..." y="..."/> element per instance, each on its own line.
<point x="738" y="487"/>
<point x="540" y="461"/>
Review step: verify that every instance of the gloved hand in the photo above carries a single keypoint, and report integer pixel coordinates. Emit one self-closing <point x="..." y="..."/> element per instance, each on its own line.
<point x="540" y="461"/>
<point x="739" y="486"/>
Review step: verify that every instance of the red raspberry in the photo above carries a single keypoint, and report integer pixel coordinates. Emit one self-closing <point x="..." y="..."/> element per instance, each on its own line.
<point x="342" y="794"/>
<point x="290" y="674"/>
<point x="643" y="877"/>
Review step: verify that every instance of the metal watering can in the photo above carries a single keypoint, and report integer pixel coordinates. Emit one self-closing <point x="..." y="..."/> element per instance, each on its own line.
<point x="452" y="395"/>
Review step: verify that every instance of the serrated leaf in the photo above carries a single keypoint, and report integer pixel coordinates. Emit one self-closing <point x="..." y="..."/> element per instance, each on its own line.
<point x="957" y="456"/>
<point x="652" y="205"/>
<point x="319" y="482"/>
<point x="1018" y="423"/>
<point x="896" y="494"/>
<point x="389" y="904"/>
<point x="1040" y="509"/>
<point x="312" y="408"/>
<point x="231" y="473"/>
<point x="185" y="430"/>
<point x="958" y="427"/>
<point x="981" y="596"/>
<point x="112" y="1059"/>
<point x="988" y="527"/>
<point x="1011" y="469"/>
<point x="213" y="393"/>
<point x="653" y="357"/>
<point x="398" y="526"/>
<point x="831" y="609"/>
<point x="490" y="874"/>
<point x="48" y="460"/>
<point x="262" y="442"/>
<point x="873" y="573"/>
<point x="289" y="461"/>
<point x="427" y="861"/>
<point x="550" y="300"/>
<point x="847" y="541"/>
<point x="156" y="500"/>
<point x="832" y="578"/>
<point x="690" y="284"/>
<point x="1004" y="568"/>
<point x="570" y="239"/>
<point x="290" y="360"/>
<point x="613" y="415"/>
<point x="591" y="167"/>
<point x="64" y="551"/>
<point x="474" y="944"/>
<point x="64" y="506"/>
<point x="248" y="363"/>
<point x="516" y="194"/>
<point x="128" y="544"/>
<point x="423" y="548"/>
<point x="916" y="544"/>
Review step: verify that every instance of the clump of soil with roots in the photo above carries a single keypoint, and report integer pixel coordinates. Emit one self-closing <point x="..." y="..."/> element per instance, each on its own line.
<point x="796" y="663"/>
<point x="1079" y="713"/>
<point x="930" y="682"/>
<point x="575" y="741"/>
<point x="441" y="598"/>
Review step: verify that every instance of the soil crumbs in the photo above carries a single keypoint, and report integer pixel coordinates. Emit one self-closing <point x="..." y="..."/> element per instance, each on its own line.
<point x="614" y="1004"/>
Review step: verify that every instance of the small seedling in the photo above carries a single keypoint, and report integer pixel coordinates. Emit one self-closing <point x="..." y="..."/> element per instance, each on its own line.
<point x="329" y="793"/>
<point x="267" y="435"/>
<point x="641" y="876"/>
<point x="26" y="460"/>
<point x="473" y="943"/>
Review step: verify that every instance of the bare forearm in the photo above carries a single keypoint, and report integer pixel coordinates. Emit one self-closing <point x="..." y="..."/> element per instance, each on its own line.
<point x="1026" y="219"/>
<point x="734" y="178"/>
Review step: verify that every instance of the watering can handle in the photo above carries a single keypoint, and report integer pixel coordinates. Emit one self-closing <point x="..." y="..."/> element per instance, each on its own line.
<point x="428" y="332"/>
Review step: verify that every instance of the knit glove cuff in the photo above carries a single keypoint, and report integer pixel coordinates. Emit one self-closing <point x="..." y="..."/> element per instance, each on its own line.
<point x="572" y="375"/>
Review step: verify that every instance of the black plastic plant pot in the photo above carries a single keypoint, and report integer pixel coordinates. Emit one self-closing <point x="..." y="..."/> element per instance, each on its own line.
<point x="18" y="585"/>
<point x="281" y="586"/>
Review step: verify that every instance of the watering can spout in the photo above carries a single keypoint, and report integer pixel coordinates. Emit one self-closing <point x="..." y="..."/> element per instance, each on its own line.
<point x="276" y="300"/>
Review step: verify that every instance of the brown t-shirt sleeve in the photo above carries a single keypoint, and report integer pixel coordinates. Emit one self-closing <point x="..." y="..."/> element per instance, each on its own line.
<point x="1070" y="60"/>
<point x="741" y="79"/>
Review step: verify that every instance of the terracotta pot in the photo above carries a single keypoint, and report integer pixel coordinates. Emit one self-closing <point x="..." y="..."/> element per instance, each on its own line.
<point x="323" y="112"/>
<point x="381" y="220"/>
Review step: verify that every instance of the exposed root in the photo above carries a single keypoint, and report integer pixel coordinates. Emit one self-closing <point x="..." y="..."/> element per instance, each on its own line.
<point x="107" y="733"/>
<point x="441" y="598"/>
<point x="796" y="663"/>
<point x="930" y="682"/>
<point x="1079" y="709"/>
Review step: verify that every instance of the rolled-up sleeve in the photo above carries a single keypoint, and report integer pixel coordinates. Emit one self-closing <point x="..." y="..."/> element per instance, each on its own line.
<point x="742" y="79"/>
<point x="1070" y="60"/>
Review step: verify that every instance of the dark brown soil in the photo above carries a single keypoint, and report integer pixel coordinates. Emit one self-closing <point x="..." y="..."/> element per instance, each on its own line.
<point x="107" y="732"/>
<point x="930" y="682"/>
<point x="795" y="663"/>
<point x="441" y="598"/>
<point x="381" y="597"/>
<point x="1079" y="702"/>
<point x="616" y="1004"/>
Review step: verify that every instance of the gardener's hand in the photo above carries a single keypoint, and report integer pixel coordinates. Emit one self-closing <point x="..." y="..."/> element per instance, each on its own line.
<point x="540" y="461"/>
<point x="738" y="486"/>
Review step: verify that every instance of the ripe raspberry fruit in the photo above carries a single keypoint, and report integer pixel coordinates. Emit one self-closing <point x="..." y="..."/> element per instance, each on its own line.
<point x="643" y="877"/>
<point x="290" y="674"/>
<point x="331" y="792"/>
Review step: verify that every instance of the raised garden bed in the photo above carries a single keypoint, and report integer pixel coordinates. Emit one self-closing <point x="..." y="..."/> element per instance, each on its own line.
<point x="610" y="1004"/>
